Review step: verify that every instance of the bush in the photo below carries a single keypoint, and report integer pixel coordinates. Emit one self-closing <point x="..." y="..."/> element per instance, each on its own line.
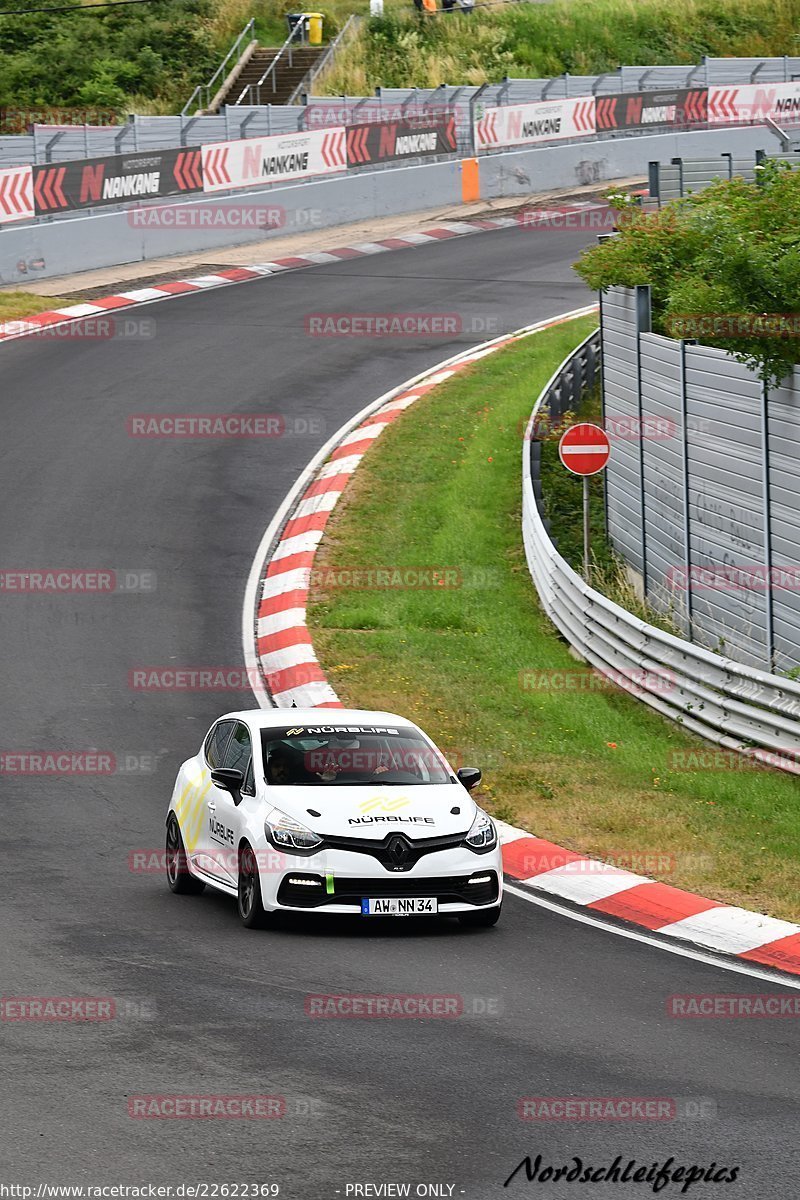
<point x="730" y="255"/>
<point x="102" y="58"/>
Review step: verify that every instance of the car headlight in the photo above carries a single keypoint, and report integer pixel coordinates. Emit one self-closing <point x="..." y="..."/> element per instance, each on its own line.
<point x="283" y="832"/>
<point x="483" y="834"/>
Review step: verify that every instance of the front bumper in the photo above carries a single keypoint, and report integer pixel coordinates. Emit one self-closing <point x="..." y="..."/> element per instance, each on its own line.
<point x="336" y="881"/>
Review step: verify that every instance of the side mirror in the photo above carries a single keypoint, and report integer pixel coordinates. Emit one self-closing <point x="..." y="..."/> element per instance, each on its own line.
<point x="230" y="780"/>
<point x="470" y="777"/>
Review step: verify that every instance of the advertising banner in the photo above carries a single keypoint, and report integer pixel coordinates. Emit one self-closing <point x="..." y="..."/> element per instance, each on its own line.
<point x="95" y="182"/>
<point x="637" y="110"/>
<point x="410" y="138"/>
<point x="16" y="195"/>
<point x="254" y="161"/>
<point x="527" y="124"/>
<point x="755" y="102"/>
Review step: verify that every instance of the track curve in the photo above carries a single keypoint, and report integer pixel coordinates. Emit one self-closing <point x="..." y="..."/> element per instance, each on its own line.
<point x="215" y="1009"/>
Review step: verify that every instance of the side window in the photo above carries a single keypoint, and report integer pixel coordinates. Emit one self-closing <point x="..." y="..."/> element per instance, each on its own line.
<point x="239" y="751"/>
<point x="249" y="781"/>
<point x="216" y="742"/>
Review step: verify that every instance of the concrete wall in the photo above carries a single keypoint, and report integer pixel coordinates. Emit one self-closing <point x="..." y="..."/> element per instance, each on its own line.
<point x="64" y="246"/>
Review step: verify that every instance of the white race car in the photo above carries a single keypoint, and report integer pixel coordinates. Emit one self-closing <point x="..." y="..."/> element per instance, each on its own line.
<point x="334" y="811"/>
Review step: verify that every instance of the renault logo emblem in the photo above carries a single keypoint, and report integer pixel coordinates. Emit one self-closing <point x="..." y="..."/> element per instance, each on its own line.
<point x="398" y="850"/>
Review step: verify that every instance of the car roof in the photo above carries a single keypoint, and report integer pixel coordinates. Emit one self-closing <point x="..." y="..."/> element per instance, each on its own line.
<point x="281" y="718"/>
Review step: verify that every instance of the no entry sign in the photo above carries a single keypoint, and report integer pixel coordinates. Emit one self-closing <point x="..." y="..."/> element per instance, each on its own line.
<point x="584" y="449"/>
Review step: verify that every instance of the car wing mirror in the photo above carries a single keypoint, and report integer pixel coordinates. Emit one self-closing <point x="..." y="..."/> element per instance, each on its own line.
<point x="469" y="777"/>
<point x="230" y="779"/>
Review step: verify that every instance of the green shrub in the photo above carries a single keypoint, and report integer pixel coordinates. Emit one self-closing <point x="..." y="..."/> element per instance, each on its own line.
<point x="731" y="252"/>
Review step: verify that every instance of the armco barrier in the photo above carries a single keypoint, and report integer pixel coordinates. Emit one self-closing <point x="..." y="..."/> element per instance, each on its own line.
<point x="683" y="176"/>
<point x="67" y="245"/>
<point x="738" y="707"/>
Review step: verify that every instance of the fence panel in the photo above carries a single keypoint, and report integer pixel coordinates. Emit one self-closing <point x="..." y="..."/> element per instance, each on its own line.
<point x="726" y="504"/>
<point x="784" y="441"/>
<point x="621" y="404"/>
<point x="662" y="436"/>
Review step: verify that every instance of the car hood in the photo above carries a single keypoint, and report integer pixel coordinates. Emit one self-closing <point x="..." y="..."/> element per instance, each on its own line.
<point x="435" y="810"/>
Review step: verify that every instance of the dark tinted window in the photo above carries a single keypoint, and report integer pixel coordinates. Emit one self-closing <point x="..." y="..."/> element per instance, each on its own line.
<point x="216" y="741"/>
<point x="351" y="756"/>
<point x="239" y="750"/>
<point x="249" y="781"/>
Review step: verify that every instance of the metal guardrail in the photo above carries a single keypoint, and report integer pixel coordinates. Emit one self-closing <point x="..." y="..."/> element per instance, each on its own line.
<point x="205" y="89"/>
<point x="738" y="707"/>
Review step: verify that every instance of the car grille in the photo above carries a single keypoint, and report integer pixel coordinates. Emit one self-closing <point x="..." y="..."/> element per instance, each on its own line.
<point x="395" y="852"/>
<point x="454" y="889"/>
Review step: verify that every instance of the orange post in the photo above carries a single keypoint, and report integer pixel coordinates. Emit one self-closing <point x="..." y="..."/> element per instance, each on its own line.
<point x="470" y="180"/>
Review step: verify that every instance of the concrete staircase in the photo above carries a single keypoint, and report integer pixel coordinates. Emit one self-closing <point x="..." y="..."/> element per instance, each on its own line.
<point x="287" y="78"/>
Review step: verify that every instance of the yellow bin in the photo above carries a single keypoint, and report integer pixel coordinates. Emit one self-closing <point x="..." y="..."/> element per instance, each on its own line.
<point x="314" y="29"/>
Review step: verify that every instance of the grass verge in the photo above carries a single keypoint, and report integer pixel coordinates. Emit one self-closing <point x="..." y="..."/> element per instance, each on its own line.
<point x="593" y="770"/>
<point x="14" y="305"/>
<point x="583" y="37"/>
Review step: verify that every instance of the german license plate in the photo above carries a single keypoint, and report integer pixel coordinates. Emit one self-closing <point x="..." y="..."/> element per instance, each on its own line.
<point x="400" y="907"/>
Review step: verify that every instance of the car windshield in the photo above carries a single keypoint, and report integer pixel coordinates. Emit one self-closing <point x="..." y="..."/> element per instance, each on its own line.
<point x="328" y="756"/>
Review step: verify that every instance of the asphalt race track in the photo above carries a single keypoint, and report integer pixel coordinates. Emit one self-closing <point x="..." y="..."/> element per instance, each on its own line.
<point x="204" y="1006"/>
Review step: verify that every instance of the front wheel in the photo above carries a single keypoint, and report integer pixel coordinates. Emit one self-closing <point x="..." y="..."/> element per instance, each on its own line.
<point x="178" y="877"/>
<point x="252" y="913"/>
<point x="481" y="919"/>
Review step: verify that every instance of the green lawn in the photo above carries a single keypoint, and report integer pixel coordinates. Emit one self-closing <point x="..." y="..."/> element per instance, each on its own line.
<point x="24" y="304"/>
<point x="591" y="770"/>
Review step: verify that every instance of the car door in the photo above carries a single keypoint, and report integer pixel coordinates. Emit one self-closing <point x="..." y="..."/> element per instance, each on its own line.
<point x="204" y="851"/>
<point x="224" y="816"/>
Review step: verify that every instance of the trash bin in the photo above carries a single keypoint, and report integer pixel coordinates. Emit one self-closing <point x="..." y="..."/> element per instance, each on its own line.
<point x="294" y="19"/>
<point x="314" y="29"/>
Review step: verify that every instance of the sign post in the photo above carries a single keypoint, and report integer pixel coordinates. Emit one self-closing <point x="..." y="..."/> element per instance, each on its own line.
<point x="585" y="450"/>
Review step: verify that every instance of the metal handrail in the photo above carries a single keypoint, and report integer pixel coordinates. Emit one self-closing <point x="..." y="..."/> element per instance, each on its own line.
<point x="297" y="32"/>
<point x="738" y="707"/>
<point x="206" y="87"/>
<point x="349" y="26"/>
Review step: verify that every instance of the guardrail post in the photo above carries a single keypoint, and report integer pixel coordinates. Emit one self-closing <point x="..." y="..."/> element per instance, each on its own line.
<point x="767" y="501"/>
<point x="603" y="412"/>
<point x="643" y="325"/>
<point x="653" y="180"/>
<point x="687" y="512"/>
<point x="53" y="141"/>
<point x="678" y="162"/>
